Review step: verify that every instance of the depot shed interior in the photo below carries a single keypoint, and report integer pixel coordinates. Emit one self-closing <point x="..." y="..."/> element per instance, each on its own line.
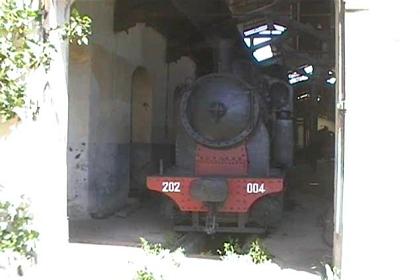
<point x="123" y="85"/>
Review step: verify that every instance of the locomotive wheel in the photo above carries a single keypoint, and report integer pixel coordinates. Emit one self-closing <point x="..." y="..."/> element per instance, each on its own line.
<point x="268" y="211"/>
<point x="167" y="209"/>
<point x="170" y="211"/>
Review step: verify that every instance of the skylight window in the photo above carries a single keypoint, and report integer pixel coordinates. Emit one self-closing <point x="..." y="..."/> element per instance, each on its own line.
<point x="262" y="34"/>
<point x="260" y="40"/>
<point x="302" y="73"/>
<point x="255" y="30"/>
<point x="263" y="53"/>
<point x="280" y="27"/>
<point x="308" y="69"/>
<point x="276" y="32"/>
<point x="332" y="80"/>
<point x="303" y="96"/>
<point x="297" y="79"/>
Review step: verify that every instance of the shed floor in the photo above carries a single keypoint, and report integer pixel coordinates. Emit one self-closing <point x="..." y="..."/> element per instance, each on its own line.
<point x="304" y="239"/>
<point x="124" y="228"/>
<point x="301" y="242"/>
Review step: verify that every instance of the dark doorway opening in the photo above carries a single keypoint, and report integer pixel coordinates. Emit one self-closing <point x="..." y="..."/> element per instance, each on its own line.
<point x="284" y="51"/>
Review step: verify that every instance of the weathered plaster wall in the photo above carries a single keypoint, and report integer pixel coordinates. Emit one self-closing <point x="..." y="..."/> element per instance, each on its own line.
<point x="78" y="138"/>
<point x="99" y="116"/>
<point x="100" y="112"/>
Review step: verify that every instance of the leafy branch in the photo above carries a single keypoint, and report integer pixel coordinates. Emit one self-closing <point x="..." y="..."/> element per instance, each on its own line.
<point x="24" y="47"/>
<point x="78" y="29"/>
<point x="16" y="234"/>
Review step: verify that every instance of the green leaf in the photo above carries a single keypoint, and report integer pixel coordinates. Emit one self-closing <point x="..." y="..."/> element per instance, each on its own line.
<point x="23" y="50"/>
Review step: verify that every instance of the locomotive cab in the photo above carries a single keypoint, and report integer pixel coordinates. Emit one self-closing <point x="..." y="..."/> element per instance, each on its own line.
<point x="225" y="178"/>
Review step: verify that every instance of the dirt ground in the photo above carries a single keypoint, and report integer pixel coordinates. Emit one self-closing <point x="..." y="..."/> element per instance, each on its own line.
<point x="301" y="242"/>
<point x="304" y="239"/>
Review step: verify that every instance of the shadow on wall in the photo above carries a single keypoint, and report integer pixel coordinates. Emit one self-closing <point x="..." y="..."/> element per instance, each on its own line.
<point x="109" y="122"/>
<point x="113" y="119"/>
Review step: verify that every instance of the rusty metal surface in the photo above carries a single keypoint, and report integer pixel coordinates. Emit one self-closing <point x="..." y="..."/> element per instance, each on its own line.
<point x="226" y="162"/>
<point x="239" y="200"/>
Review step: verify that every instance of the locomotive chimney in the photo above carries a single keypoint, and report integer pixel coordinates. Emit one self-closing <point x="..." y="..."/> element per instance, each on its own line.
<point x="224" y="55"/>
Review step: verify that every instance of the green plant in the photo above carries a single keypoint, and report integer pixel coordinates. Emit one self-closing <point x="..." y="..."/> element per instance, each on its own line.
<point x="150" y="249"/>
<point x="145" y="275"/>
<point x="16" y="234"/>
<point x="165" y="261"/>
<point x="21" y="50"/>
<point x="78" y="29"/>
<point x="230" y="247"/>
<point x="25" y="47"/>
<point x="258" y="252"/>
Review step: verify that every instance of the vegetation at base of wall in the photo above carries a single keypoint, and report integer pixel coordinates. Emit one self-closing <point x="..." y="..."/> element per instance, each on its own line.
<point x="16" y="232"/>
<point x="25" y="47"/>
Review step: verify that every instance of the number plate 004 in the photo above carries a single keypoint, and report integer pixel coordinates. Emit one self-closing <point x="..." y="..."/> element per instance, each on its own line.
<point x="255" y="188"/>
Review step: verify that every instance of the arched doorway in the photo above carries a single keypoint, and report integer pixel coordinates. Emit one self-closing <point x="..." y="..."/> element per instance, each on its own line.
<point x="141" y="129"/>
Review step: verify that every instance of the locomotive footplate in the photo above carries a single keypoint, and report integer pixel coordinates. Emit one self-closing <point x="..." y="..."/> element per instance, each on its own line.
<point x="211" y="198"/>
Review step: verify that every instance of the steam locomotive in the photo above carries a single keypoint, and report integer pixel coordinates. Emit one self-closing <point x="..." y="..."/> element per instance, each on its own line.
<point x="234" y="142"/>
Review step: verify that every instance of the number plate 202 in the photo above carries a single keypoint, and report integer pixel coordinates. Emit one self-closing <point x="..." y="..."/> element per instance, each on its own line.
<point x="171" y="187"/>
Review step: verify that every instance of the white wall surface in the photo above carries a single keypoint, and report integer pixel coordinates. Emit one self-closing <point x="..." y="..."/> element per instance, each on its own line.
<point x="381" y="186"/>
<point x="33" y="153"/>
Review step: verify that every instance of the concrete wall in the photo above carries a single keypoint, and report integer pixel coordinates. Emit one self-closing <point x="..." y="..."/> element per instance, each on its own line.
<point x="381" y="185"/>
<point x="100" y="111"/>
<point x="78" y="140"/>
<point x="99" y="89"/>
